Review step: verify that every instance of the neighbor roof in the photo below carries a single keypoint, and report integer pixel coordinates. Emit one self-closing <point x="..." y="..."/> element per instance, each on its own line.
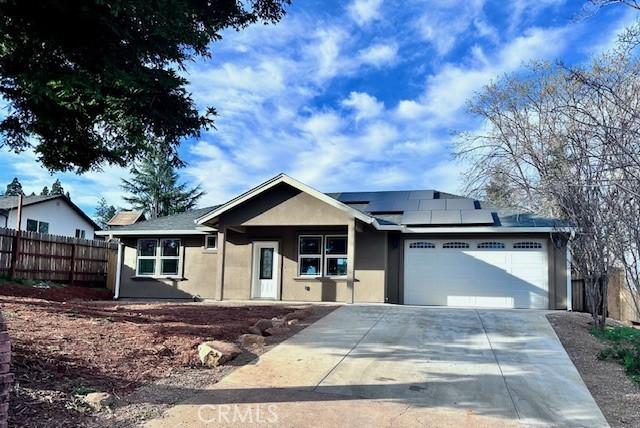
<point x="125" y="218"/>
<point x="183" y="223"/>
<point x="11" y="203"/>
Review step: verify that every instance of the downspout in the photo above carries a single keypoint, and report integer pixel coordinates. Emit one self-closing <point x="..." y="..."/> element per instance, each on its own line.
<point x="116" y="292"/>
<point x="569" y="286"/>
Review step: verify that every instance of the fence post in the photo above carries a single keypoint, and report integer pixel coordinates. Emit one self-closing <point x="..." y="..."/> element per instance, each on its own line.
<point x="15" y="250"/>
<point x="73" y="264"/>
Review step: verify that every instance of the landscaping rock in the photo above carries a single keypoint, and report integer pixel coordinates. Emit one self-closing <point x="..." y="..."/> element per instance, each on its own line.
<point x="277" y="331"/>
<point x="263" y="324"/>
<point x="300" y="314"/>
<point x="293" y="321"/>
<point x="255" y="330"/>
<point x="98" y="400"/>
<point x="251" y="341"/>
<point x="279" y="323"/>
<point x="216" y="352"/>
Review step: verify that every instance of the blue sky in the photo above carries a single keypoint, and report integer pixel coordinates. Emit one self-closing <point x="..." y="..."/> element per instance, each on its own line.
<point x="352" y="95"/>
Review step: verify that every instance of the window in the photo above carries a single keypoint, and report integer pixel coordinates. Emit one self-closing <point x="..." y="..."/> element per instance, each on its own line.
<point x="493" y="245"/>
<point x="310" y="255"/>
<point x="421" y="244"/>
<point x="80" y="233"/>
<point x="313" y="256"/>
<point x="210" y="242"/>
<point x="335" y="254"/>
<point x="158" y="257"/>
<point x="37" y="226"/>
<point x="525" y="245"/>
<point x="455" y="245"/>
<point x="266" y="263"/>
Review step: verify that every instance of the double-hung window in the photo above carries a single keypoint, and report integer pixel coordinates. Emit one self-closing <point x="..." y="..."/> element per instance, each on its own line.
<point x="310" y="255"/>
<point x="335" y="255"/>
<point x="37" y="226"/>
<point x="158" y="257"/>
<point x="320" y="255"/>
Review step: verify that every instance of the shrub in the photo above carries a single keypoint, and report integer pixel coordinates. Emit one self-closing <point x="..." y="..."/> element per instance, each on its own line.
<point x="623" y="346"/>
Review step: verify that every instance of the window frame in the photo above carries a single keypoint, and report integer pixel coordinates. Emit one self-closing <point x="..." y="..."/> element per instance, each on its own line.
<point x="311" y="256"/>
<point x="422" y="245"/>
<point x="39" y="224"/>
<point x="82" y="234"/>
<point x="206" y="242"/>
<point x="456" y="245"/>
<point x="326" y="256"/>
<point x="491" y="245"/>
<point x="158" y="258"/>
<point x="527" y="245"/>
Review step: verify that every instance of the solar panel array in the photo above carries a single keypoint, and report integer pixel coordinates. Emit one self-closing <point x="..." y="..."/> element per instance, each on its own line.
<point x="420" y="207"/>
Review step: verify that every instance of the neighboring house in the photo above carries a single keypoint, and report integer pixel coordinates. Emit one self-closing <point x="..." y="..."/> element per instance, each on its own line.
<point x="286" y="241"/>
<point x="53" y="214"/>
<point x="4" y="217"/>
<point x="125" y="218"/>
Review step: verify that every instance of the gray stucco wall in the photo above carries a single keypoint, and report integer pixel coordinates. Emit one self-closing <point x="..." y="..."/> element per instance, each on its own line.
<point x="199" y="273"/>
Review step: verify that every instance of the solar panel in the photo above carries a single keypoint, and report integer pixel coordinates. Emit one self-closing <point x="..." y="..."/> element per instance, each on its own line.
<point x="421" y="194"/>
<point x="391" y="205"/>
<point x="380" y="205"/>
<point x="416" y="217"/>
<point x="432" y="204"/>
<point x="476" y="216"/>
<point x="460" y="204"/>
<point x="445" y="217"/>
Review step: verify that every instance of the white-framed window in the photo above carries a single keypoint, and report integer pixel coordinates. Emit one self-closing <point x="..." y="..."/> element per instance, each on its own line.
<point x="158" y="257"/>
<point x="81" y="233"/>
<point x="37" y="226"/>
<point x="492" y="245"/>
<point x="310" y="255"/>
<point x="527" y="245"/>
<point x="211" y="242"/>
<point x="335" y="255"/>
<point x="422" y="244"/>
<point x="455" y="245"/>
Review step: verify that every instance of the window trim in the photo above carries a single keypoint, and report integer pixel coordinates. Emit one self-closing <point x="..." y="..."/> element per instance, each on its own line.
<point x="311" y="256"/>
<point x="527" y="245"/>
<point x="83" y="233"/>
<point x="39" y="223"/>
<point x="491" y="245"/>
<point x="206" y="240"/>
<point x="422" y="245"/>
<point x="158" y="258"/>
<point x="333" y="256"/>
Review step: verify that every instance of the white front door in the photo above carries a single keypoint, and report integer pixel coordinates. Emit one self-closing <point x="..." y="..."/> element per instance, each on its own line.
<point x="265" y="270"/>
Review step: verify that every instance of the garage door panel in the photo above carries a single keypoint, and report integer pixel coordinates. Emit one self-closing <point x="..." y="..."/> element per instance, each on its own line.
<point x="491" y="277"/>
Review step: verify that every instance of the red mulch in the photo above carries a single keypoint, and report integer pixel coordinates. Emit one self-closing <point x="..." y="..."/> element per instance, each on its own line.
<point x="62" y="345"/>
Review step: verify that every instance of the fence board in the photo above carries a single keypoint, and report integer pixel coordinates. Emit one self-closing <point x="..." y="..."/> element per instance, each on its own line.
<point x="37" y="256"/>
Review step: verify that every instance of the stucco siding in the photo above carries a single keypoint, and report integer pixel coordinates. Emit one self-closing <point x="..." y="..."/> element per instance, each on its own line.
<point x="199" y="267"/>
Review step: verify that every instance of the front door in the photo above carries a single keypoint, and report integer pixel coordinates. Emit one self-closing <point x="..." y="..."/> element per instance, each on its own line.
<point x="265" y="270"/>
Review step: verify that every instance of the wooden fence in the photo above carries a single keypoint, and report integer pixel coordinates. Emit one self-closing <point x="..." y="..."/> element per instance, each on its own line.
<point x="37" y="256"/>
<point x="620" y="304"/>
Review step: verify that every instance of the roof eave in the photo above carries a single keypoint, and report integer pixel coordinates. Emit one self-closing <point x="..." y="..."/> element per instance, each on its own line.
<point x="156" y="232"/>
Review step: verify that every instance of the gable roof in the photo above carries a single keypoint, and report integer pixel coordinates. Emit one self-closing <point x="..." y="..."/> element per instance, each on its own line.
<point x="283" y="178"/>
<point x="125" y="218"/>
<point x="11" y="203"/>
<point x="183" y="223"/>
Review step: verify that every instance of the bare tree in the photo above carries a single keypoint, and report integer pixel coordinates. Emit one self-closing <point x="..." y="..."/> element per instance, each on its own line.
<point x="566" y="141"/>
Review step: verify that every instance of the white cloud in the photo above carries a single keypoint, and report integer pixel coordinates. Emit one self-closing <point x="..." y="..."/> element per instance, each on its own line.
<point x="365" y="11"/>
<point x="364" y="105"/>
<point x="379" y="54"/>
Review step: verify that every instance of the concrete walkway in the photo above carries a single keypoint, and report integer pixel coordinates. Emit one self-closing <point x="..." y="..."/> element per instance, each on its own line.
<point x="404" y="366"/>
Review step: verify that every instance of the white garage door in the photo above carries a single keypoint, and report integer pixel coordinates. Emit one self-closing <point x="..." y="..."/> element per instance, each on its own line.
<point x="499" y="273"/>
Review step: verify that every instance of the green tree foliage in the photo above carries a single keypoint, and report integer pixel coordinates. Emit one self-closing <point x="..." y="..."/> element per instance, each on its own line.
<point x="94" y="81"/>
<point x="154" y="188"/>
<point x="56" y="188"/>
<point x="104" y="212"/>
<point x="14" y="188"/>
<point x="45" y="191"/>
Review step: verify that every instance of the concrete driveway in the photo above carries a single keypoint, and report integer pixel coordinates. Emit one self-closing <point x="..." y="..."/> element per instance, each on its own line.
<point x="404" y="366"/>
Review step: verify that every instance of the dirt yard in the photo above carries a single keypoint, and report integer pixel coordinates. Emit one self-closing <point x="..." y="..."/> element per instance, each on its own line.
<point x="616" y="394"/>
<point x="64" y="347"/>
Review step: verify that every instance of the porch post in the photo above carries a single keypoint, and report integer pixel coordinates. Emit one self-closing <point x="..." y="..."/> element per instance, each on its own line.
<point x="222" y="241"/>
<point x="351" y="258"/>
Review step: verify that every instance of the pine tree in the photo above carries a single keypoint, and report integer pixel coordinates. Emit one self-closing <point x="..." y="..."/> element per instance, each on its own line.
<point x="56" y="188"/>
<point x="104" y="212"/>
<point x="154" y="187"/>
<point x="45" y="191"/>
<point x="14" y="188"/>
